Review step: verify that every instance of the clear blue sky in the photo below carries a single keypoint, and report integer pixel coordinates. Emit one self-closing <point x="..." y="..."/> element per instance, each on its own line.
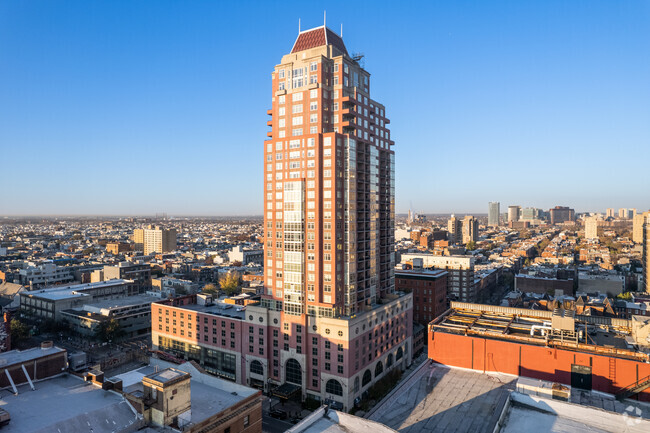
<point x="138" y="107"/>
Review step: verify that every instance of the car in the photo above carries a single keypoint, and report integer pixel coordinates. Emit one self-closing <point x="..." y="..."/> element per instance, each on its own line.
<point x="279" y="414"/>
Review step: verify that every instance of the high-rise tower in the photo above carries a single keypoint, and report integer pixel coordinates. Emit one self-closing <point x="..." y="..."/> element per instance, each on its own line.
<point x="494" y="213"/>
<point x="328" y="184"/>
<point x="330" y="324"/>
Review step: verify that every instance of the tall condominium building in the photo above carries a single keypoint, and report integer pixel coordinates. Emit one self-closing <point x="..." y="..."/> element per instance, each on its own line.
<point x="622" y="213"/>
<point x="154" y="240"/>
<point x="330" y="323"/>
<point x="560" y="214"/>
<point x="455" y="229"/>
<point x="494" y="212"/>
<point x="646" y="252"/>
<point x="591" y="227"/>
<point x="470" y="229"/>
<point x="611" y="213"/>
<point x="637" y="228"/>
<point x="513" y="213"/>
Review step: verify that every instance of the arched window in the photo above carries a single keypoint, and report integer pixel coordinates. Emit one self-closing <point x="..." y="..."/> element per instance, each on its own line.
<point x="293" y="372"/>
<point x="334" y="387"/>
<point x="389" y="361"/>
<point x="379" y="369"/>
<point x="356" y="384"/>
<point x="256" y="368"/>
<point x="400" y="353"/>
<point x="367" y="377"/>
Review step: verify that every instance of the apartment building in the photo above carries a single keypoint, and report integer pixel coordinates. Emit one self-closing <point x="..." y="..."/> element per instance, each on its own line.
<point x="154" y="239"/>
<point x="470" y="229"/>
<point x="429" y="289"/>
<point x="455" y="230"/>
<point x="461" y="283"/>
<point x="330" y="322"/>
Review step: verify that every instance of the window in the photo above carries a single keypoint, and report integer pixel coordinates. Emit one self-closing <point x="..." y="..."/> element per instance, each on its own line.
<point x="334" y="387"/>
<point x="293" y="372"/>
<point x="313" y="66"/>
<point x="247" y="421"/>
<point x="281" y="73"/>
<point x="367" y="378"/>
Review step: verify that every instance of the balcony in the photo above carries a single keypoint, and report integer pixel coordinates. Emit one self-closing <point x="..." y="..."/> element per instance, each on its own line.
<point x="348" y="101"/>
<point x="269" y="112"/>
<point x="269" y="123"/>
<point x="348" y="113"/>
<point x="269" y="134"/>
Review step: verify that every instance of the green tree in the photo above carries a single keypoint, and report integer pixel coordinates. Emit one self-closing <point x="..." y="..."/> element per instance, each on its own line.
<point x="19" y="330"/>
<point x="210" y="289"/>
<point x="230" y="283"/>
<point x="626" y="296"/>
<point x="471" y="246"/>
<point x="109" y="330"/>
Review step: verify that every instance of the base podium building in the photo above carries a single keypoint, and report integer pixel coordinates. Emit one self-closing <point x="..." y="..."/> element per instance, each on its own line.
<point x="330" y="323"/>
<point x="586" y="352"/>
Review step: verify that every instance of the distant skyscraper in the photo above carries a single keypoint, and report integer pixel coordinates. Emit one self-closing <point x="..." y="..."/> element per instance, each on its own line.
<point x="513" y="213"/>
<point x="530" y="213"/>
<point x="470" y="229"/>
<point x="155" y="240"/>
<point x="622" y="213"/>
<point x="454" y="227"/>
<point x="560" y="214"/>
<point x="409" y="218"/>
<point x="494" y="212"/>
<point x="591" y="228"/>
<point x="611" y="213"/>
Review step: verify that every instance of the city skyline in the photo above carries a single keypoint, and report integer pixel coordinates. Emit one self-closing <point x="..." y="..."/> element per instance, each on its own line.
<point x="108" y="95"/>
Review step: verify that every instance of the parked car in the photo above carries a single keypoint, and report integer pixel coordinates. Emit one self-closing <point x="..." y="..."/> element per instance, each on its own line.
<point x="279" y="414"/>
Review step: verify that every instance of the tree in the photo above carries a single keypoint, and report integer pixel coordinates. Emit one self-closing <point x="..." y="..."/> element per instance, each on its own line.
<point x="471" y="245"/>
<point x="229" y="283"/>
<point x="109" y="330"/>
<point x="210" y="289"/>
<point x="19" y="330"/>
<point x="626" y="296"/>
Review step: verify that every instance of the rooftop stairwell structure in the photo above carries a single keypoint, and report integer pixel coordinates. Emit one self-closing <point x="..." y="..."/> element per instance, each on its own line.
<point x="633" y="389"/>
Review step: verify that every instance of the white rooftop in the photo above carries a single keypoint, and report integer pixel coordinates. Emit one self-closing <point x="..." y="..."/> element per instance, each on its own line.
<point x="65" y="404"/>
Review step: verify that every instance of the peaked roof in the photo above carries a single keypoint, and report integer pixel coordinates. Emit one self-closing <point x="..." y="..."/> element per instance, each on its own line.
<point x="316" y="38"/>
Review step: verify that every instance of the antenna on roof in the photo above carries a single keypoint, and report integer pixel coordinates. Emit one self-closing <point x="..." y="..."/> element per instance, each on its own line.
<point x="324" y="18"/>
<point x="298" y="25"/>
<point x="341" y="30"/>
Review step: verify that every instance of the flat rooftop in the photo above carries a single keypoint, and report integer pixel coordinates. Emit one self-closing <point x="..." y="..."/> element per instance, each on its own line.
<point x="432" y="273"/>
<point x="72" y="291"/>
<point x="440" y="399"/>
<point x="605" y="335"/>
<point x="127" y="301"/>
<point x="166" y="375"/>
<point x="210" y="395"/>
<point x="21" y="356"/>
<point x="65" y="404"/>
<point x="218" y="309"/>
